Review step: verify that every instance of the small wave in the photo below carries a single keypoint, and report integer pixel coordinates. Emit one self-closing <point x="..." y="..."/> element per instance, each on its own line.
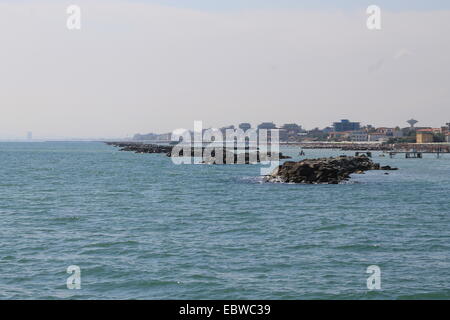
<point x="278" y="181"/>
<point x="251" y="180"/>
<point x="8" y="258"/>
<point x="303" y="246"/>
<point x="111" y="244"/>
<point x="443" y="295"/>
<point x="331" y="227"/>
<point x="358" y="247"/>
<point x="66" y="219"/>
<point x="137" y="284"/>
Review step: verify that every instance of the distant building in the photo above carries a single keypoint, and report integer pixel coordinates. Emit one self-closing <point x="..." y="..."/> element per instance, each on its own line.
<point x="385" y="131"/>
<point x="424" y="136"/>
<point x="224" y="129"/>
<point x="412" y="122"/>
<point x="346" y="125"/>
<point x="359" y="136"/>
<point x="397" y="133"/>
<point x="447" y="137"/>
<point x="389" y="132"/>
<point x="377" y="136"/>
<point x="267" y="125"/>
<point x="164" y="137"/>
<point x="292" y="126"/>
<point x="153" y="137"/>
<point x="327" y="129"/>
<point x="356" y="136"/>
<point x="339" y="136"/>
<point x="148" y="136"/>
<point x="290" y="132"/>
<point x="245" y="126"/>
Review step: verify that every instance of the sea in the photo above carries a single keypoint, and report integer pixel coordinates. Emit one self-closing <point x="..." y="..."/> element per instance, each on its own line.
<point x="137" y="226"/>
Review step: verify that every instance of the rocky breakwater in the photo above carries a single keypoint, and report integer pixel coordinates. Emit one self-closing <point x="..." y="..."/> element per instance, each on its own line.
<point x="141" y="147"/>
<point x="324" y="170"/>
<point x="228" y="155"/>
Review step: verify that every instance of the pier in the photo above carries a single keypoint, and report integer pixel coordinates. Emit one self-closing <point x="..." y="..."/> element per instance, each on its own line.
<point x="410" y="150"/>
<point x="416" y="154"/>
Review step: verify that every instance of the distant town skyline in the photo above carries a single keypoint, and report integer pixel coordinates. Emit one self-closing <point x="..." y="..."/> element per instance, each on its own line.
<point x="339" y="131"/>
<point x="29" y="135"/>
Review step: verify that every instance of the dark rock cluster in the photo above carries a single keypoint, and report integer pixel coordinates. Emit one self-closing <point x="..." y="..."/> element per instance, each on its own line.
<point x="244" y="158"/>
<point x="324" y="170"/>
<point x="388" y="168"/>
<point x="141" y="147"/>
<point x="230" y="156"/>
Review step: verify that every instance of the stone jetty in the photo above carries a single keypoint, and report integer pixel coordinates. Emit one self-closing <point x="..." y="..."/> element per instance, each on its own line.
<point x="230" y="156"/>
<point x="138" y="147"/>
<point x="323" y="170"/>
<point x="243" y="158"/>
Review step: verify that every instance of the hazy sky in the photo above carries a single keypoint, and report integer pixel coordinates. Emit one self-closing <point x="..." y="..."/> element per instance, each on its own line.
<point x="154" y="65"/>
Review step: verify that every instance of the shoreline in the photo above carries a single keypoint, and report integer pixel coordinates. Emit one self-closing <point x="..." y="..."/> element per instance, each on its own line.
<point x="344" y="146"/>
<point x="374" y="146"/>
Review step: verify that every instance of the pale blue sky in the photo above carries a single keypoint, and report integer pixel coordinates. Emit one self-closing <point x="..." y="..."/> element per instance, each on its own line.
<point x="395" y="5"/>
<point x="158" y="65"/>
<point x="220" y="5"/>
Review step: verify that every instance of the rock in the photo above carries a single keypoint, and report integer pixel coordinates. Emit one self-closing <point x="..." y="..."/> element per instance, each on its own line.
<point x="324" y="170"/>
<point x="282" y="156"/>
<point x="388" y="168"/>
<point x="231" y="156"/>
<point x="141" y="147"/>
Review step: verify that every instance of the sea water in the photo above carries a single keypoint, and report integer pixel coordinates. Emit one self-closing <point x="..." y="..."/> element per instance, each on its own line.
<point x="140" y="227"/>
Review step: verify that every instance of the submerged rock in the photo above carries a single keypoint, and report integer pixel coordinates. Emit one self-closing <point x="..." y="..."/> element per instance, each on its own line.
<point x="229" y="155"/>
<point x="138" y="147"/>
<point x="388" y="168"/>
<point x="323" y="170"/>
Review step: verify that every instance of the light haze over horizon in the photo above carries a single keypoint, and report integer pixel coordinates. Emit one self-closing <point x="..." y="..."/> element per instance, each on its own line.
<point x="140" y="66"/>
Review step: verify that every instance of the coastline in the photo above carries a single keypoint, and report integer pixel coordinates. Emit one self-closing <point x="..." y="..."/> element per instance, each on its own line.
<point x="373" y="146"/>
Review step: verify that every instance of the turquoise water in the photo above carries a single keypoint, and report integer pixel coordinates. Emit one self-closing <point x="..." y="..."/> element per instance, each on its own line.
<point x="141" y="227"/>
